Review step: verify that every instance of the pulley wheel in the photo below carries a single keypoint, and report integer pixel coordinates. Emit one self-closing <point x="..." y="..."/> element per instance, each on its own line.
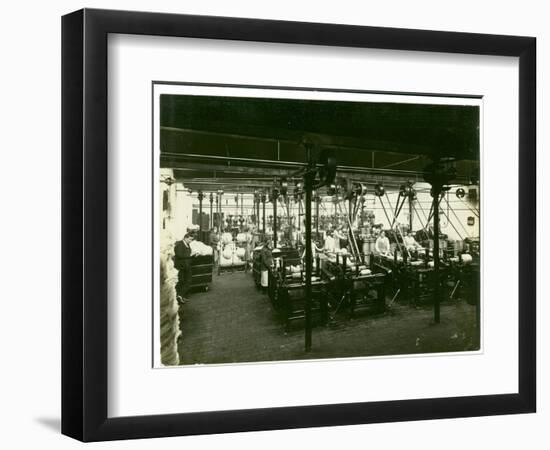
<point x="327" y="173"/>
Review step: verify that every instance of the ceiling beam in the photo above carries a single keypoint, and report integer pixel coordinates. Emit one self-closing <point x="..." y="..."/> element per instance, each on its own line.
<point x="324" y="140"/>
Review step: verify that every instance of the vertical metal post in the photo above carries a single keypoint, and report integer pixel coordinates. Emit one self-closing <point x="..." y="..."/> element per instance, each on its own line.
<point x="300" y="212"/>
<point x="334" y="202"/>
<point x="211" y="221"/>
<point x="317" y="201"/>
<point x="218" y="212"/>
<point x="290" y="227"/>
<point x="258" y="211"/>
<point x="263" y="221"/>
<point x="274" y="220"/>
<point x="410" y="211"/>
<point x="308" y="187"/>
<point x="219" y="205"/>
<point x="200" y="196"/>
<point x="437" y="286"/>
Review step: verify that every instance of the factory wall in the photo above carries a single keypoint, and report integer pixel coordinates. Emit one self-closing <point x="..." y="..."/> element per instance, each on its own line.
<point x="453" y="218"/>
<point x="175" y="209"/>
<point x="183" y="211"/>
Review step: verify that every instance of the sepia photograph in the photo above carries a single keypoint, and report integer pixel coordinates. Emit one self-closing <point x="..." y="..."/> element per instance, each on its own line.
<point x="297" y="224"/>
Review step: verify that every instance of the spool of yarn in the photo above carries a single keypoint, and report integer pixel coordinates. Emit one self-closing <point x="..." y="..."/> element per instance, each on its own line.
<point x="226" y="238"/>
<point x="466" y="258"/>
<point x="241" y="252"/>
<point x="227" y="253"/>
<point x="296" y="275"/>
<point x="195" y="246"/>
<point x="241" y="237"/>
<point x="365" y="272"/>
<point x="225" y="262"/>
<point x="199" y="248"/>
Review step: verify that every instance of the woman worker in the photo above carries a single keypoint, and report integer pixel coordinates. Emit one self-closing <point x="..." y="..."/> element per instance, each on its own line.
<point x="314" y="250"/>
<point x="410" y="242"/>
<point x="329" y="243"/>
<point x="266" y="260"/>
<point x="382" y="245"/>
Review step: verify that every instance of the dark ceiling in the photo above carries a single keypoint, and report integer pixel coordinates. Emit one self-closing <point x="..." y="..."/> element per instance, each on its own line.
<point x="363" y="134"/>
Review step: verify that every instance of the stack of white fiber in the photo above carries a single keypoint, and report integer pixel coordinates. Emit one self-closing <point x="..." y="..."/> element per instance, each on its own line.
<point x="169" y="320"/>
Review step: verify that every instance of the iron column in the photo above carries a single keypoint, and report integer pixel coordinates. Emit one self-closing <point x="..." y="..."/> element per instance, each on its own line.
<point x="308" y="187"/>
<point x="317" y="199"/>
<point x="437" y="289"/>
<point x="411" y="195"/>
<point x="211" y="221"/>
<point x="263" y="213"/>
<point x="274" y="199"/>
<point x="200" y="197"/>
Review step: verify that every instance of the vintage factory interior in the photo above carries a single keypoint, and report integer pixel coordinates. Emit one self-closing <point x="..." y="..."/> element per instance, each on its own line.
<point x="317" y="229"/>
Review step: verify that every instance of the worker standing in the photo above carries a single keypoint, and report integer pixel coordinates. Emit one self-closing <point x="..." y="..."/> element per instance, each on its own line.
<point x="382" y="245"/>
<point x="214" y="241"/>
<point x="266" y="259"/>
<point x="336" y="234"/>
<point x="314" y="250"/>
<point x="343" y="238"/>
<point x="182" y="262"/>
<point x="410" y="242"/>
<point x="329" y="243"/>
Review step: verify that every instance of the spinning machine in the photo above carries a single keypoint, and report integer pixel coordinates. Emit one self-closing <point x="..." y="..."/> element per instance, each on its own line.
<point x="311" y="282"/>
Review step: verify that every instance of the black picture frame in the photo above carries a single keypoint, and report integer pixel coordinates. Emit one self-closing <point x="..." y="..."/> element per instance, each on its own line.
<point x="84" y="224"/>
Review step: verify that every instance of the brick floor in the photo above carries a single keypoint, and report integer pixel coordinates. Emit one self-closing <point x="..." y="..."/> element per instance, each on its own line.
<point x="234" y="322"/>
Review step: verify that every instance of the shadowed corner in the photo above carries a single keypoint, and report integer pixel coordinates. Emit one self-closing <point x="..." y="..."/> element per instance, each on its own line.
<point x="53" y="423"/>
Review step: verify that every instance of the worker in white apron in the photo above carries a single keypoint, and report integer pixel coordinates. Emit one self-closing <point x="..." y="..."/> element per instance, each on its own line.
<point x="266" y="260"/>
<point x="382" y="245"/>
<point x="329" y="243"/>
